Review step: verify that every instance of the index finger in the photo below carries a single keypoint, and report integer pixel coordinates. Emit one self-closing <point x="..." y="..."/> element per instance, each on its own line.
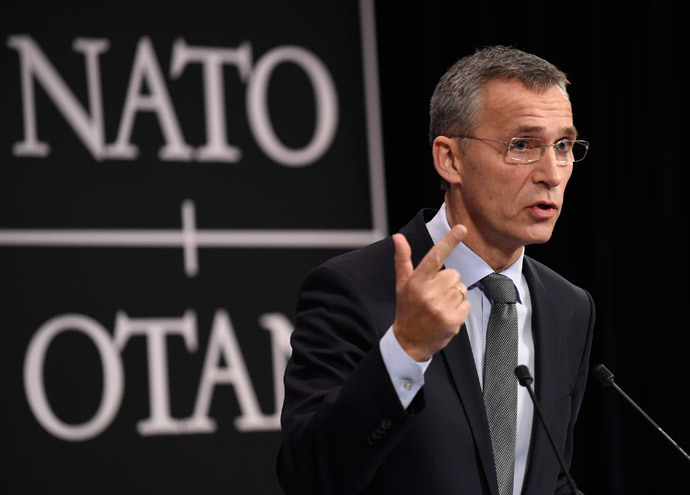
<point x="436" y="257"/>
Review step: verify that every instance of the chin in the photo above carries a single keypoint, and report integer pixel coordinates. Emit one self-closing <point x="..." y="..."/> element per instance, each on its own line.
<point x="538" y="235"/>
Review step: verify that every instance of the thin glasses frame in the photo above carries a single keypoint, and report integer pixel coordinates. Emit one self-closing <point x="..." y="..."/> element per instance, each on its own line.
<point x="538" y="143"/>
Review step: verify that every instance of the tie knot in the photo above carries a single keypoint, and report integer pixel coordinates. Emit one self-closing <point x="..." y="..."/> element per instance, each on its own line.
<point x="500" y="288"/>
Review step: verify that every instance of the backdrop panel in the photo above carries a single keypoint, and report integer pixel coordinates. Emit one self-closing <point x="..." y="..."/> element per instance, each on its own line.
<point x="170" y="172"/>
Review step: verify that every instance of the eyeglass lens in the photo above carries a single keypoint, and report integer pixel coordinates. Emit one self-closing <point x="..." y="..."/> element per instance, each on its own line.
<point x="531" y="150"/>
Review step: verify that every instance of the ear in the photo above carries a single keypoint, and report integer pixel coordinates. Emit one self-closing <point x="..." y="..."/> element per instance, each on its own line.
<point x="448" y="159"/>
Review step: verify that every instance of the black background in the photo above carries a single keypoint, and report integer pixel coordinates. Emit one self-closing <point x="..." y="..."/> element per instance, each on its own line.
<point x="623" y="231"/>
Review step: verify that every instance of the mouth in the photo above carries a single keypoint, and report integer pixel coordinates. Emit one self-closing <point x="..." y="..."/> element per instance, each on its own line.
<point x="543" y="209"/>
<point x="544" y="205"/>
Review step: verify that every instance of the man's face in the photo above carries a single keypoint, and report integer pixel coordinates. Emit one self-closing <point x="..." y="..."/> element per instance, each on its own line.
<point x="507" y="206"/>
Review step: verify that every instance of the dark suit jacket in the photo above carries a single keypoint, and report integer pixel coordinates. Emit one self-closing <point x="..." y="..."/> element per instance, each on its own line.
<point x="344" y="428"/>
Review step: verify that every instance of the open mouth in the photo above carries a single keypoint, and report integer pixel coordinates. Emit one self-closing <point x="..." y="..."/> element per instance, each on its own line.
<point x="543" y="210"/>
<point x="544" y="206"/>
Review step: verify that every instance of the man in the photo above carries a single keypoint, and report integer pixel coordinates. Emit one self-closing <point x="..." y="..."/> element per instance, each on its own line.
<point x="401" y="378"/>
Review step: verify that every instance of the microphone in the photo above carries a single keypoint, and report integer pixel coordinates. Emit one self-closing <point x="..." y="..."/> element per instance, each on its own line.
<point x="525" y="379"/>
<point x="606" y="379"/>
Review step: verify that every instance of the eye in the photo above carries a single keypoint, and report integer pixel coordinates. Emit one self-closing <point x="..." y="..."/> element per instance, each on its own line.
<point x="521" y="144"/>
<point x="563" y="145"/>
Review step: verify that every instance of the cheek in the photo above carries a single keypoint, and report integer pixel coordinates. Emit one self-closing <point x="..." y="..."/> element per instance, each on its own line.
<point x="566" y="173"/>
<point x="498" y="194"/>
<point x="516" y="185"/>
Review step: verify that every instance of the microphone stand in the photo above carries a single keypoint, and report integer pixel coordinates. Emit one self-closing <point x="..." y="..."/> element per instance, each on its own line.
<point x="525" y="379"/>
<point x="606" y="378"/>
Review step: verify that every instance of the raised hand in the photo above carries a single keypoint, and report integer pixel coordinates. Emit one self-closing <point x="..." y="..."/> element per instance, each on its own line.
<point x="431" y="305"/>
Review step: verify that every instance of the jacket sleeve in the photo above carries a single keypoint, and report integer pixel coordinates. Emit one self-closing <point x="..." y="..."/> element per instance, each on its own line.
<point x="341" y="416"/>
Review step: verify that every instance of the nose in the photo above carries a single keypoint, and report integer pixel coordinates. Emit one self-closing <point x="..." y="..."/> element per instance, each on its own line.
<point x="548" y="171"/>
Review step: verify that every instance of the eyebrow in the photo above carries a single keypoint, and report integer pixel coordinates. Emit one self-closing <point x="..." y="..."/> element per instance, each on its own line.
<point x="567" y="131"/>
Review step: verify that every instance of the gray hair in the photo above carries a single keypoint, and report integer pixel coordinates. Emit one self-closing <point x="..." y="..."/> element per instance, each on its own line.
<point x="456" y="101"/>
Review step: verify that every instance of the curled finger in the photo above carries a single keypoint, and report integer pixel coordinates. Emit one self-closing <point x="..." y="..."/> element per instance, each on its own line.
<point x="462" y="289"/>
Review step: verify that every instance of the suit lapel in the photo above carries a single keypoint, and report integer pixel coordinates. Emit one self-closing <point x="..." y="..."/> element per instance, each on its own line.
<point x="459" y="360"/>
<point x="548" y="347"/>
<point x="546" y="320"/>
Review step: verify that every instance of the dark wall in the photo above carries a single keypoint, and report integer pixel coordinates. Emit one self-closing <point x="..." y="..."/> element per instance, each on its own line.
<point x="622" y="233"/>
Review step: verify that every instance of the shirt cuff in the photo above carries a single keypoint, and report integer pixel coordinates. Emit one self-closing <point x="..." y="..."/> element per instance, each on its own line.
<point x="407" y="375"/>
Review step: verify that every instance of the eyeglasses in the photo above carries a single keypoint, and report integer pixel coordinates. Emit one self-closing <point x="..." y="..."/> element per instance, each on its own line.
<point x="530" y="150"/>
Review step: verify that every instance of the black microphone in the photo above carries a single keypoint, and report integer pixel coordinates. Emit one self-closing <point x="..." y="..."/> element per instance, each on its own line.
<point x="606" y="379"/>
<point x="525" y="379"/>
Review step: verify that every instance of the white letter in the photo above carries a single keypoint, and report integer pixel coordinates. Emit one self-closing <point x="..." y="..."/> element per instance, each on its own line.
<point x="280" y="328"/>
<point x="223" y="343"/>
<point x="146" y="69"/>
<point x="35" y="65"/>
<point x="326" y="106"/>
<point x="113" y="377"/>
<point x="156" y="330"/>
<point x="217" y="147"/>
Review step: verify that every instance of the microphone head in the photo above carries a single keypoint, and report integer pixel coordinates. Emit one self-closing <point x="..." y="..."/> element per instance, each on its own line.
<point x="603" y="375"/>
<point x="523" y="375"/>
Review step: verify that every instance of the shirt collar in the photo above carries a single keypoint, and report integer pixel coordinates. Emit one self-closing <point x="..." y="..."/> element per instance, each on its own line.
<point x="471" y="267"/>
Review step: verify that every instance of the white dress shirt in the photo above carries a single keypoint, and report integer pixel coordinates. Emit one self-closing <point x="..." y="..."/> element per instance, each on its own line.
<point x="407" y="374"/>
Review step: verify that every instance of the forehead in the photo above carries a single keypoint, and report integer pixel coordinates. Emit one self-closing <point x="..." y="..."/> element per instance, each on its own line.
<point x="508" y="106"/>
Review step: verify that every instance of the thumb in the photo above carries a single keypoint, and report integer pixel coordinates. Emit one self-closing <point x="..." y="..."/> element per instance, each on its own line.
<point x="403" y="260"/>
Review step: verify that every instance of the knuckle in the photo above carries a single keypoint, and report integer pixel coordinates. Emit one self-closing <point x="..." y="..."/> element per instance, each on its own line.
<point x="453" y="274"/>
<point x="435" y="258"/>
